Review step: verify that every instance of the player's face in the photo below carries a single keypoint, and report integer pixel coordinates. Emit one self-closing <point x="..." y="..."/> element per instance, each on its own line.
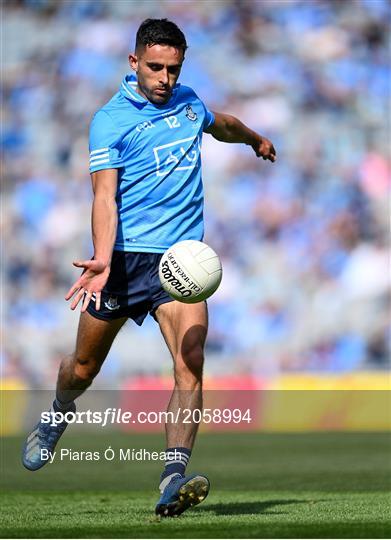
<point x="158" y="68"/>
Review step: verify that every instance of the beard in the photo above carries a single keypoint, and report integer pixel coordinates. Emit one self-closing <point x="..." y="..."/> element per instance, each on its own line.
<point x="157" y="95"/>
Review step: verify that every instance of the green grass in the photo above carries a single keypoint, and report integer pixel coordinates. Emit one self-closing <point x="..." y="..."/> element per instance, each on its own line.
<point x="323" y="485"/>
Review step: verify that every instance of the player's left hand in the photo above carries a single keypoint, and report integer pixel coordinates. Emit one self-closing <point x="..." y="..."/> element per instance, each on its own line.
<point x="265" y="149"/>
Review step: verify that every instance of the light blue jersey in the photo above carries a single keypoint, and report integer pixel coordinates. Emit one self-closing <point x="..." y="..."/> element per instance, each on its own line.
<point x="156" y="149"/>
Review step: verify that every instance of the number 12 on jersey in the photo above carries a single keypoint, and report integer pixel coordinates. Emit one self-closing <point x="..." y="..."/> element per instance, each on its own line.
<point x="172" y="121"/>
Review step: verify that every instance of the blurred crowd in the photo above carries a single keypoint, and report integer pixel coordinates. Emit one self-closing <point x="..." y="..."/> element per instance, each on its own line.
<point x="303" y="241"/>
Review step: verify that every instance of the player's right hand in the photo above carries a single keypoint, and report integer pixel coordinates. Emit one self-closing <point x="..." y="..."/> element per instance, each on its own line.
<point x="92" y="280"/>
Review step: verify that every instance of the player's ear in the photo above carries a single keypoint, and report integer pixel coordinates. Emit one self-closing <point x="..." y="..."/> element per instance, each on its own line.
<point x="133" y="62"/>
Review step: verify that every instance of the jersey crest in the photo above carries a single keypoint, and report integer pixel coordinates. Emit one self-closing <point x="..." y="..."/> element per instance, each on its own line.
<point x="190" y="114"/>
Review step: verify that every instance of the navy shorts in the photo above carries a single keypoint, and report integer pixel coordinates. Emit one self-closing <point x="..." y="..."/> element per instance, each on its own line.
<point x="133" y="289"/>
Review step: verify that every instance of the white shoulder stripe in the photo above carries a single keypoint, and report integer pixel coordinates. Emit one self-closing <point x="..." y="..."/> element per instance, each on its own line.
<point x="98" y="151"/>
<point x="99" y="162"/>
<point x="101" y="156"/>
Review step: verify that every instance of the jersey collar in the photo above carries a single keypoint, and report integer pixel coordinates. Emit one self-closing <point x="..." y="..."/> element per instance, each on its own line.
<point x="128" y="90"/>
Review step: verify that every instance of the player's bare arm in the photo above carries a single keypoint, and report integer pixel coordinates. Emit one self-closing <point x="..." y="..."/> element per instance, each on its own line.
<point x="227" y="128"/>
<point x="104" y="229"/>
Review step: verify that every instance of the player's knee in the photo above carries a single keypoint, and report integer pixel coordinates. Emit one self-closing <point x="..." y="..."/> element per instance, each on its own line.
<point x="86" y="369"/>
<point x="188" y="368"/>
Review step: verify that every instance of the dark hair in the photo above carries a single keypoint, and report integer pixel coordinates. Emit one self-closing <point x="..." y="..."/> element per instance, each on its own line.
<point x="160" y="32"/>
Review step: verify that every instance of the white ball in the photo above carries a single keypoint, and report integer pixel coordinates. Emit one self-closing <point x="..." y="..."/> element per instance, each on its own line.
<point x="190" y="271"/>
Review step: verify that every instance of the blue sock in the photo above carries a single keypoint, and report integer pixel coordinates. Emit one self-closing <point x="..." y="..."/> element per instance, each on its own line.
<point x="176" y="461"/>
<point x="59" y="406"/>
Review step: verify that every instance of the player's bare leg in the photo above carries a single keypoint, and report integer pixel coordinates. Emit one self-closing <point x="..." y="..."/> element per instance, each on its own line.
<point x="184" y="328"/>
<point x="94" y="339"/>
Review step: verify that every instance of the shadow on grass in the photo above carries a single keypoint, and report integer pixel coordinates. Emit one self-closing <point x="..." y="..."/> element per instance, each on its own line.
<point x="253" y="507"/>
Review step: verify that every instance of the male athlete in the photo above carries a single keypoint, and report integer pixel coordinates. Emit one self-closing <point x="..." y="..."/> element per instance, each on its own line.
<point x="145" y="167"/>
